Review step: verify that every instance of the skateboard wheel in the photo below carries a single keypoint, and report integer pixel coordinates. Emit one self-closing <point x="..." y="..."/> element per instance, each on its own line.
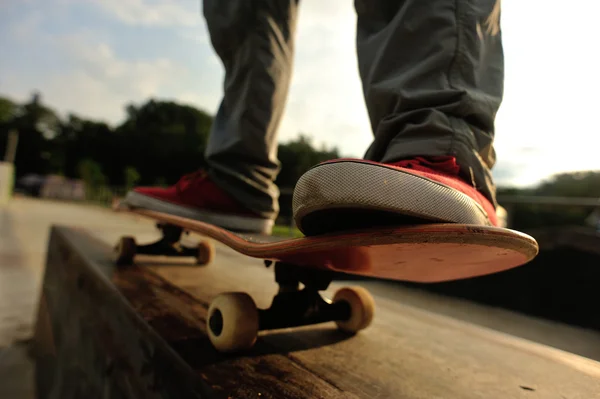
<point x="125" y="251"/>
<point x="362" y="308"/>
<point x="206" y="253"/>
<point x="232" y="322"/>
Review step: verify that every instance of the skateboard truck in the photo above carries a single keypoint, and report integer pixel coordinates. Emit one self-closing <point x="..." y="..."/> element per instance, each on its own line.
<point x="168" y="245"/>
<point x="418" y="253"/>
<point x="234" y="321"/>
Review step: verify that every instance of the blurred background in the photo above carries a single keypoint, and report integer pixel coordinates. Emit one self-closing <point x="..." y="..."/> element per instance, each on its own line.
<point x="97" y="96"/>
<point x="103" y="95"/>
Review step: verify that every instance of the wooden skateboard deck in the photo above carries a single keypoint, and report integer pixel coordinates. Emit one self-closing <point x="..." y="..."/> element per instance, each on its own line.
<point x="421" y="253"/>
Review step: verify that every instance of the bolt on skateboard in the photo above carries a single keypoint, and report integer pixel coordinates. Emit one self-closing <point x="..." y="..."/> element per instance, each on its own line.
<point x="418" y="253"/>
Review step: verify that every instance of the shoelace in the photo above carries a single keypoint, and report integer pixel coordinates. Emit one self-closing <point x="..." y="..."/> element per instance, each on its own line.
<point x="194" y="176"/>
<point x="440" y="164"/>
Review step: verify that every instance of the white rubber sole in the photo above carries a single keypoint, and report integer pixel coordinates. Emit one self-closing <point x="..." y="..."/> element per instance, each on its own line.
<point x="226" y="221"/>
<point x="361" y="185"/>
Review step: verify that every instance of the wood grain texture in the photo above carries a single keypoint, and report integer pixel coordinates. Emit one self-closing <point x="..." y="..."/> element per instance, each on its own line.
<point x="419" y="253"/>
<point x="88" y="341"/>
<point x="140" y="332"/>
<point x="406" y="353"/>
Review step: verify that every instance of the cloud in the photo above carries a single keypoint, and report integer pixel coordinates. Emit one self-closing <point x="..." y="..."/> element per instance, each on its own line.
<point x="506" y="173"/>
<point x="551" y="80"/>
<point x="102" y="84"/>
<point x="183" y="17"/>
<point x="137" y="77"/>
<point x="23" y="29"/>
<point x="94" y="56"/>
<point x="326" y="99"/>
<point x="85" y="68"/>
<point x="98" y="79"/>
<point x="161" y="13"/>
<point x="93" y="81"/>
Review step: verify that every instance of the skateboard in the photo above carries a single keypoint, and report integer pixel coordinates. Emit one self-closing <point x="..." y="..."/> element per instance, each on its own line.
<point x="417" y="253"/>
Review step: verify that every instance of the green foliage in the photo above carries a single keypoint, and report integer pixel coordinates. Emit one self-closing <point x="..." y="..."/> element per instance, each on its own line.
<point x="298" y="156"/>
<point x="577" y="184"/>
<point x="91" y="173"/>
<point x="286" y="231"/>
<point x="159" y="141"/>
<point x="131" y="177"/>
<point x="36" y="125"/>
<point x="163" y="140"/>
<point x="8" y="110"/>
<point x="160" y="182"/>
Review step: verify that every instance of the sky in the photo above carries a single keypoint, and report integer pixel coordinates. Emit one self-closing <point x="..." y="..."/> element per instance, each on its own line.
<point x="93" y="57"/>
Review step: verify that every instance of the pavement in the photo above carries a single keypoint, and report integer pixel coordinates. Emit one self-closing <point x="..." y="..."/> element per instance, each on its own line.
<point x="24" y="229"/>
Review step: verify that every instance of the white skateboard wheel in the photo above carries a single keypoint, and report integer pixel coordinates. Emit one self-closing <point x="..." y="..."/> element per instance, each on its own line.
<point x="362" y="308"/>
<point x="206" y="253"/>
<point x="125" y="250"/>
<point x="232" y="322"/>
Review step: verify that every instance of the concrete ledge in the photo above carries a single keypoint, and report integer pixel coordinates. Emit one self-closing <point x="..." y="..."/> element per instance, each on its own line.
<point x="114" y="332"/>
<point x="89" y="342"/>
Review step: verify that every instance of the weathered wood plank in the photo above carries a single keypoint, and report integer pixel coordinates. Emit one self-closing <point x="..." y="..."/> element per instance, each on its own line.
<point x="407" y="353"/>
<point x="125" y="333"/>
<point x="140" y="332"/>
<point x="89" y="342"/>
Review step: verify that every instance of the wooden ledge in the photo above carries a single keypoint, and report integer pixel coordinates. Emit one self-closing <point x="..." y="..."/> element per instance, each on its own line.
<point x="139" y="332"/>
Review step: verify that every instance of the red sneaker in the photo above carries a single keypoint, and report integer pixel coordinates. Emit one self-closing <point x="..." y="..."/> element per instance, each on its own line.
<point x="353" y="193"/>
<point x="195" y="196"/>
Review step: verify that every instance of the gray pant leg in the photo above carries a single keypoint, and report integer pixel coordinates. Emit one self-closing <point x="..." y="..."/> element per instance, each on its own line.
<point x="255" y="41"/>
<point x="432" y="74"/>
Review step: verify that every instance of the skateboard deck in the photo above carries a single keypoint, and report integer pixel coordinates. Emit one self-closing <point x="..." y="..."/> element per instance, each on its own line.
<point x="418" y="253"/>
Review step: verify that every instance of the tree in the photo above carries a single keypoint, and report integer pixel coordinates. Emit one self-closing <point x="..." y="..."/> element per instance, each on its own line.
<point x="572" y="184"/>
<point x="36" y="125"/>
<point x="91" y="173"/>
<point x="298" y="156"/>
<point x="131" y="177"/>
<point x="79" y="139"/>
<point x="8" y="110"/>
<point x="163" y="139"/>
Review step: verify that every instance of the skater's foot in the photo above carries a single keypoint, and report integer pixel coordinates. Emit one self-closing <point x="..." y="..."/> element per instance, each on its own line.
<point x="352" y="193"/>
<point x="196" y="196"/>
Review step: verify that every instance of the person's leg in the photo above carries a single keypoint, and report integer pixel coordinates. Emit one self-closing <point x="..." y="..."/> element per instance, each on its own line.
<point x="432" y="75"/>
<point x="255" y="41"/>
